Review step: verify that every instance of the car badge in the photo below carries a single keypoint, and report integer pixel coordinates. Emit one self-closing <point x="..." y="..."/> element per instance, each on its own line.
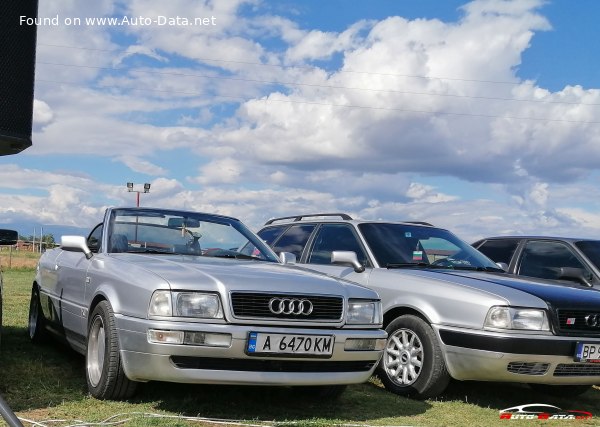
<point x="571" y="321"/>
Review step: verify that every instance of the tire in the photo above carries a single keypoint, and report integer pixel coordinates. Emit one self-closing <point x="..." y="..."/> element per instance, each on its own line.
<point x="560" y="390"/>
<point x="412" y="364"/>
<point x="103" y="368"/>
<point x="37" y="322"/>
<point x="321" y="392"/>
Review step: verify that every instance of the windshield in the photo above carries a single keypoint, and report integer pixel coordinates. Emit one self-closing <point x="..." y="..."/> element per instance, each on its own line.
<point x="183" y="233"/>
<point x="591" y="249"/>
<point x="398" y="245"/>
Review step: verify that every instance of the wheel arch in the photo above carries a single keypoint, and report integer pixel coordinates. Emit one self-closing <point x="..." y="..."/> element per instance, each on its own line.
<point x="95" y="301"/>
<point x="398" y="311"/>
<point x="105" y="292"/>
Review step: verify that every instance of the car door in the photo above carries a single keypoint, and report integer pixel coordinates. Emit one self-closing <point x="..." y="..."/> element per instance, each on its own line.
<point x="337" y="237"/>
<point x="71" y="268"/>
<point x="548" y="259"/>
<point x="293" y="239"/>
<point x="499" y="250"/>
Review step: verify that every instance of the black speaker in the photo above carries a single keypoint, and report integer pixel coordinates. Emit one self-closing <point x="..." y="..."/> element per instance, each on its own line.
<point x="17" y="71"/>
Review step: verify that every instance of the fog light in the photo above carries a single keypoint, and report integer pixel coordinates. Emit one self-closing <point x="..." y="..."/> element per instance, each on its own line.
<point x="364" y="344"/>
<point x="165" y="337"/>
<point x="209" y="339"/>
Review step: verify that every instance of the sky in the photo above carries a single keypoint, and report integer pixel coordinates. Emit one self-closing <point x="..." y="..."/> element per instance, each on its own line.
<point x="482" y="117"/>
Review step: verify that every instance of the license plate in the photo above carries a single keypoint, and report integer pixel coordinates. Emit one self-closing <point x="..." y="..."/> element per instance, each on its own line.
<point x="315" y="345"/>
<point x="587" y="352"/>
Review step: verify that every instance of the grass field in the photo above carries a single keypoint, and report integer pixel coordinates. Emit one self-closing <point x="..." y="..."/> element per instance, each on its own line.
<point x="44" y="382"/>
<point x="10" y="259"/>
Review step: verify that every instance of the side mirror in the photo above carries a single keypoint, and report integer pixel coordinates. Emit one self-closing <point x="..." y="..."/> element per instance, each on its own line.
<point x="8" y="237"/>
<point x="502" y="265"/>
<point x="575" y="274"/>
<point x="75" y="244"/>
<point x="347" y="257"/>
<point x="287" y="258"/>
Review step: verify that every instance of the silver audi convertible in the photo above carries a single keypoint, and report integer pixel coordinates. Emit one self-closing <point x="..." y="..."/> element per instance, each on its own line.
<point x="155" y="294"/>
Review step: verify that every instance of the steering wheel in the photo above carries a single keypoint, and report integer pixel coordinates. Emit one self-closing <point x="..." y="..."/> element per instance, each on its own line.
<point x="443" y="262"/>
<point x="193" y="244"/>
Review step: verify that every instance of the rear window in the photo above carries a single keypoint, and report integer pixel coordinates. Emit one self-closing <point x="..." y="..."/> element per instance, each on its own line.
<point x="269" y="235"/>
<point x="591" y="249"/>
<point x="501" y="250"/>
<point x="294" y="239"/>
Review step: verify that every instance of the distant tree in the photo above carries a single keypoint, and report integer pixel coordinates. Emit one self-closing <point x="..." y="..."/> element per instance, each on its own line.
<point x="48" y="239"/>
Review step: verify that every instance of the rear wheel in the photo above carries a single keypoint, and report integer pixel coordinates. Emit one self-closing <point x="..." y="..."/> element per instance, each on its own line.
<point x="412" y="364"/>
<point x="104" y="370"/>
<point x="561" y="390"/>
<point x="37" y="324"/>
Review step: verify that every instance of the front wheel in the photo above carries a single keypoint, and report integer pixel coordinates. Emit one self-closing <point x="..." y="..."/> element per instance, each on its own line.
<point x="36" y="324"/>
<point x="412" y="364"/>
<point x="104" y="370"/>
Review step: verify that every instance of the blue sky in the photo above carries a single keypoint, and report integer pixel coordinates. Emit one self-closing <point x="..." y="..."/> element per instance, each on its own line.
<point x="482" y="117"/>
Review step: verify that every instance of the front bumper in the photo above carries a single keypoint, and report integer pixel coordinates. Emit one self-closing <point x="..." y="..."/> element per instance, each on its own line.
<point x="523" y="358"/>
<point x="145" y="361"/>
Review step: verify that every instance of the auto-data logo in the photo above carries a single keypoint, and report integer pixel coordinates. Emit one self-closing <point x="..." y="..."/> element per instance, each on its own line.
<point x="541" y="411"/>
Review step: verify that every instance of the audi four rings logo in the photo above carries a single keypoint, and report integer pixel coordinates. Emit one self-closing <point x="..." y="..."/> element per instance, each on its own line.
<point x="290" y="306"/>
<point x="593" y="320"/>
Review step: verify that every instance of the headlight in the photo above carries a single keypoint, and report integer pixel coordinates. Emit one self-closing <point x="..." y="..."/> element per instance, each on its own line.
<point x="362" y="312"/>
<point x="530" y="319"/>
<point x="196" y="304"/>
<point x="160" y="304"/>
<point x="186" y="304"/>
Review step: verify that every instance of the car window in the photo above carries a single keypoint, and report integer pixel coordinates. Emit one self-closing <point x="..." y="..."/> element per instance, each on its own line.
<point x="335" y="237"/>
<point x="396" y="244"/>
<point x="294" y="239"/>
<point x="499" y="250"/>
<point x="591" y="249"/>
<point x="544" y="259"/>
<point x="161" y="231"/>
<point x="269" y="235"/>
<point x="94" y="239"/>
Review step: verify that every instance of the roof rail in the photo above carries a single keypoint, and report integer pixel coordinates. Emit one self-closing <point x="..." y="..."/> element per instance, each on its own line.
<point x="301" y="217"/>
<point x="418" y="223"/>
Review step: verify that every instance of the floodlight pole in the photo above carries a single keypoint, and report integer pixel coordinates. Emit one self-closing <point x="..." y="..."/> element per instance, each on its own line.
<point x="131" y="190"/>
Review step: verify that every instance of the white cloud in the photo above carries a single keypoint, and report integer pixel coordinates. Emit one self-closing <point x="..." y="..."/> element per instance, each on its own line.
<point x="222" y="171"/>
<point x="143" y="166"/>
<point x="42" y="113"/>
<point x="427" y="194"/>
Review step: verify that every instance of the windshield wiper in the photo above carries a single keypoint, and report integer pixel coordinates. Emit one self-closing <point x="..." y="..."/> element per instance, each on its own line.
<point x="472" y="268"/>
<point x="444" y="267"/>
<point x="236" y="256"/>
<point x="413" y="265"/>
<point x="152" y="251"/>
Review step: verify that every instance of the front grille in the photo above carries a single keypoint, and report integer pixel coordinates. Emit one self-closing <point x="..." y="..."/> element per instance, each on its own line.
<point x="573" y="322"/>
<point x="256" y="305"/>
<point x="256" y="365"/>
<point x="528" y="368"/>
<point x="577" y="370"/>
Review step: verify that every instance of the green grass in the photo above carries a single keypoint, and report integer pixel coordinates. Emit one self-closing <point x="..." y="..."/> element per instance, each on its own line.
<point x="43" y="382"/>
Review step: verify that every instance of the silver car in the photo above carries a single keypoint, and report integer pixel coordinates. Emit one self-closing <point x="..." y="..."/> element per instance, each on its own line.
<point x="155" y="294"/>
<point x="449" y="311"/>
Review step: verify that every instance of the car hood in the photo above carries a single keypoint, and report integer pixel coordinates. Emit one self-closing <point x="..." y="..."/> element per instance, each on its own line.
<point x="206" y="273"/>
<point x="564" y="296"/>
